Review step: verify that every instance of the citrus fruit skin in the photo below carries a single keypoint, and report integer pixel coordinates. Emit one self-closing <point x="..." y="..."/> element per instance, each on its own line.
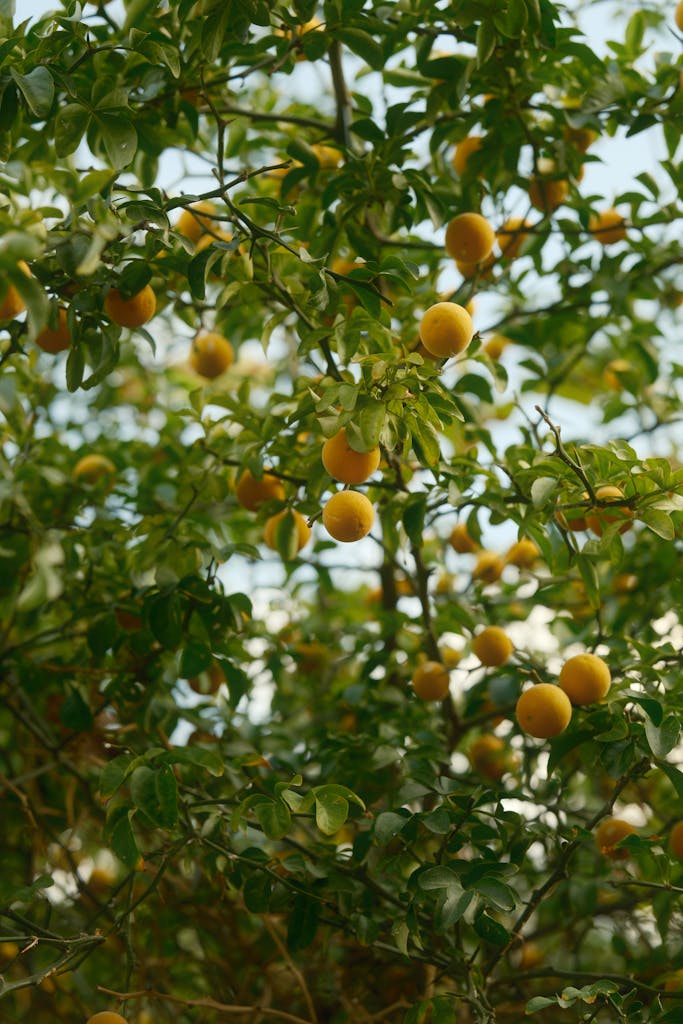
<point x="676" y="840"/>
<point x="303" y="530"/>
<point x="107" y="1017"/>
<point x="585" y="679"/>
<point x="463" y="152"/>
<point x="12" y="303"/>
<point x="495" y="346"/>
<point x="582" y="138"/>
<point x="462" y="541"/>
<point x="678" y="16"/>
<point x="481" y="269"/>
<point x="93" y="469"/>
<point x="57" y="339"/>
<point x="492" y="646"/>
<point x="446" y="329"/>
<point x="611" y="831"/>
<point x="344" y="463"/>
<point x="512" y="236"/>
<point x="488" y="567"/>
<point x="544" y="711"/>
<point x="607" y="227"/>
<point x="133" y="312"/>
<point x="211" y="354"/>
<point x="600" y="518"/>
<point x="469" y="238"/>
<point x="193" y="223"/>
<point x="490" y="757"/>
<point x="547" y="193"/>
<point x="523" y="553"/>
<point x="208" y="681"/>
<point x="431" y="681"/>
<point x="252" y="493"/>
<point x="348" y="516"/>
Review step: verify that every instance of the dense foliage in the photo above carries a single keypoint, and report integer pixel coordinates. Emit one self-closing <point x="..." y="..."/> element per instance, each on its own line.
<point x="223" y="797"/>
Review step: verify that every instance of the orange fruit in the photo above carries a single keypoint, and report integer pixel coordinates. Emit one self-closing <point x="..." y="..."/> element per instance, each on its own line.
<point x="12" y="304"/>
<point x="546" y="193"/>
<point x="523" y="553"/>
<point x="543" y="711"/>
<point x="327" y="156"/>
<point x="469" y="238"/>
<point x="678" y="16"/>
<point x="106" y="1017"/>
<point x="490" y="757"/>
<point x="94" y="469"/>
<point x="209" y="680"/>
<point x="676" y="840"/>
<point x="611" y="375"/>
<point x="585" y="679"/>
<point x="608" y="227"/>
<point x="251" y="492"/>
<point x="531" y="955"/>
<point x="463" y="152"/>
<point x="481" y="269"/>
<point x="348" y="516"/>
<point x="431" y="681"/>
<point x="574" y="522"/>
<point x="57" y="339"/>
<point x="610" y="832"/>
<point x="211" y="354"/>
<point x="582" y="138"/>
<point x="495" y="346"/>
<point x="492" y="646"/>
<point x="512" y="236"/>
<point x="303" y="530"/>
<point x="344" y="463"/>
<point x="193" y="222"/>
<point x="446" y="329"/>
<point x="488" y="567"/>
<point x="600" y="518"/>
<point x="462" y="541"/>
<point x="133" y="312"/>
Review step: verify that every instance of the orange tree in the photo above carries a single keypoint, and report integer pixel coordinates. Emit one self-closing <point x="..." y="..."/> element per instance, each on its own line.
<point x="261" y="754"/>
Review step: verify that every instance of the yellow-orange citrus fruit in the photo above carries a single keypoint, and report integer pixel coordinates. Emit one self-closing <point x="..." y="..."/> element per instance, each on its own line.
<point x="674" y="981"/>
<point x="544" y="711"/>
<point x="546" y="193"/>
<point x="573" y="521"/>
<point x="93" y="469"/>
<point x="481" y="269"/>
<point x="450" y="656"/>
<point x="490" y="757"/>
<point x="193" y="222"/>
<point x="463" y="152"/>
<point x="488" y="567"/>
<point x="303" y="530"/>
<point x="431" y="681"/>
<point x="106" y="1017"/>
<point x="216" y="235"/>
<point x="12" y="304"/>
<point x="523" y="553"/>
<point x="57" y="339"/>
<point x="676" y="840"/>
<point x="492" y="646"/>
<point x="344" y="463"/>
<point x="611" y="831"/>
<point x="600" y="518"/>
<point x="531" y="955"/>
<point x="495" y="346"/>
<point x="678" y="15"/>
<point x="211" y="354"/>
<point x="133" y="312"/>
<point x="446" y="329"/>
<point x="327" y="156"/>
<point x="585" y="678"/>
<point x="582" y="138"/>
<point x="348" y="516"/>
<point x="462" y="541"/>
<point x="469" y="238"/>
<point x="611" y="375"/>
<point x="608" y="227"/>
<point x="252" y="493"/>
<point x="209" y="680"/>
<point x="8" y="951"/>
<point x="512" y="236"/>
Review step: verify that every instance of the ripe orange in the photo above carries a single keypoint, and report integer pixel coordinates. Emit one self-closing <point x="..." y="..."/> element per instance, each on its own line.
<point x="676" y="840"/>
<point x="678" y="15"/>
<point x="446" y="329"/>
<point x="12" y="304"/>
<point x="582" y="138"/>
<point x="431" y="681"/>
<point x="57" y="339"/>
<point x="481" y="269"/>
<point x="512" y="236"/>
<point x="348" y="516"/>
<point x="94" y="469"/>
<point x="610" y="832"/>
<point x="106" y="1017"/>
<point x="574" y="522"/>
<point x="585" y="679"/>
<point x="211" y="354"/>
<point x="344" y="463"/>
<point x="546" y="193"/>
<point x="608" y="227"/>
<point x="543" y="711"/>
<point x="209" y="680"/>
<point x="133" y="312"/>
<point x="463" y="152"/>
<point x="303" y="530"/>
<point x="600" y="518"/>
<point x="462" y="541"/>
<point x="252" y="493"/>
<point x="469" y="238"/>
<point x="490" y="757"/>
<point x="492" y="646"/>
<point x="327" y="156"/>
<point x="495" y="346"/>
<point x="488" y="567"/>
<point x="193" y="222"/>
<point x="523" y="553"/>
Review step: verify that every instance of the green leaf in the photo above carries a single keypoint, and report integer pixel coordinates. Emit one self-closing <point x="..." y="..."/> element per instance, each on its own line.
<point x="75" y="713"/>
<point x="388" y="824"/>
<point x="454" y="906"/>
<point x="491" y="931"/>
<point x="120" y="139"/>
<point x="486" y="41"/>
<point x="425" y="442"/>
<point x="257" y="891"/>
<point x="331" y="811"/>
<point x="364" y="45"/>
<point x="164" y="619"/>
<point x="662" y="739"/>
<point x="119" y="834"/>
<point x="439" y="878"/>
<point x="303" y="922"/>
<point x="542" y="490"/>
<point x="414" y="518"/>
<point x="71" y="125"/>
<point x="209" y="760"/>
<point x="539" y="1003"/>
<point x="659" y="522"/>
<point x="37" y="88"/>
<point x="195" y="658"/>
<point x="154" y="791"/>
<point x="274" y="818"/>
<point x="496" y="893"/>
<point x="113" y="775"/>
